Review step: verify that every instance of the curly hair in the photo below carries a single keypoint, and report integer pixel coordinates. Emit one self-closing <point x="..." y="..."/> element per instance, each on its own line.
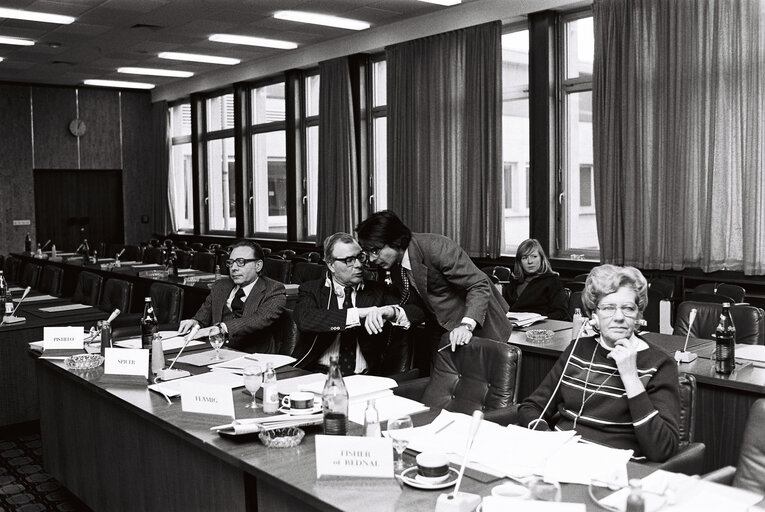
<point x="607" y="279"/>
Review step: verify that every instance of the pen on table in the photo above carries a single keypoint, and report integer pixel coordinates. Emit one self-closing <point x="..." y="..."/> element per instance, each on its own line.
<point x="252" y="359"/>
<point x="445" y="347"/>
<point x="444" y="427"/>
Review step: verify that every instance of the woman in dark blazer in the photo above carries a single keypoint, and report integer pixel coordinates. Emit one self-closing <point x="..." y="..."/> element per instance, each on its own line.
<point x="535" y="288"/>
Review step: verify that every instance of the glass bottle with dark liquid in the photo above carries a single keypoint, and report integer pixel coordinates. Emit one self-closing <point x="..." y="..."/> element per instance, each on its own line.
<point x="725" y="342"/>
<point x="334" y="400"/>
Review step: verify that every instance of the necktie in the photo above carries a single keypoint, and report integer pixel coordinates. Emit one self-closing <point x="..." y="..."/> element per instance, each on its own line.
<point x="348" y="340"/>
<point x="237" y="303"/>
<point x="404" y="288"/>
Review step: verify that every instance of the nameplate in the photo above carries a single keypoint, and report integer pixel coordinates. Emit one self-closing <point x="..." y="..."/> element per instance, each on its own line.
<point x="127" y="361"/>
<point x="370" y="457"/>
<point x="207" y="399"/>
<point x="63" y="337"/>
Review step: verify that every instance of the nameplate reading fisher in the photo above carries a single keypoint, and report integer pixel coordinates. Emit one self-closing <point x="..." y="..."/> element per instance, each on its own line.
<point x="207" y="399"/>
<point x="63" y="337"/>
<point x="369" y="457"/>
<point x="127" y="361"/>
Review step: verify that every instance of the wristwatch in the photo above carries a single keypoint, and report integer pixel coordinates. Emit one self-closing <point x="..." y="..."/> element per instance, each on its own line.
<point x="467" y="326"/>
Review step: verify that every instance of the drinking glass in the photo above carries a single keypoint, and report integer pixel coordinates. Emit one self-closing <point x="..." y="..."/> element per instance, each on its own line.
<point x="544" y="491"/>
<point x="253" y="376"/>
<point x="217" y="338"/>
<point x="399" y="430"/>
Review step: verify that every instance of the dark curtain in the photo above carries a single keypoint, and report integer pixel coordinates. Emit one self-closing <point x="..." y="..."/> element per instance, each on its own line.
<point x="445" y="135"/>
<point x="162" y="219"/>
<point x="338" y="179"/>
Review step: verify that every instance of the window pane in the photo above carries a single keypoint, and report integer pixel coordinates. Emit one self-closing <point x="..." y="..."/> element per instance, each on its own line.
<point x="585" y="185"/>
<point x="312" y="176"/>
<point x="580" y="48"/>
<point x="581" y="231"/>
<point x="221" y="190"/>
<point x="379" y="74"/>
<point x="312" y="95"/>
<point x="180" y="120"/>
<point x="268" y="104"/>
<point x="220" y="112"/>
<point x="181" y="181"/>
<point x="381" y="163"/>
<point x="269" y="186"/>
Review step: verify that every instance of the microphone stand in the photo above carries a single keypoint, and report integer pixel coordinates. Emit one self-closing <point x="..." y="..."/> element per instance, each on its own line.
<point x="684" y="356"/>
<point x="170" y="374"/>
<point x="12" y="316"/>
<point x="457" y="501"/>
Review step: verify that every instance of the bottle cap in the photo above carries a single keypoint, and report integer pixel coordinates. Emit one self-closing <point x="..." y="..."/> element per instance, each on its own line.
<point x="147" y="299"/>
<point x="726" y="304"/>
<point x="636" y="483"/>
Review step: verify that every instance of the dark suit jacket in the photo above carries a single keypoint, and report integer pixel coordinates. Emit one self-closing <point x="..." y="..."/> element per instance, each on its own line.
<point x="253" y="332"/>
<point x="320" y="322"/>
<point x="452" y="287"/>
<point x="543" y="295"/>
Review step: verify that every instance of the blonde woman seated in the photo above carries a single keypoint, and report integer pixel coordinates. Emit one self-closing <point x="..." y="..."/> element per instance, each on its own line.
<point x="535" y="288"/>
<point x="614" y="389"/>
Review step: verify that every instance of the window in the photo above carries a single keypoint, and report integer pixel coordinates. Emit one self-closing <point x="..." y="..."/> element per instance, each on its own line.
<point x="515" y="138"/>
<point x="181" y="178"/>
<point x="219" y="175"/>
<point x="577" y="231"/>
<point x="311" y="185"/>
<point x="379" y="174"/>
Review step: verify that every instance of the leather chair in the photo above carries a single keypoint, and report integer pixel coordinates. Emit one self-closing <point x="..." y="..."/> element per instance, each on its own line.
<point x="266" y="251"/>
<point x="314" y="257"/>
<point x="664" y="287"/>
<point x="12" y="269"/>
<point x="88" y="289"/>
<point x="168" y="306"/>
<point x="580" y="278"/>
<point x="117" y="294"/>
<point x="220" y="260"/>
<point x="277" y="269"/>
<point x="131" y="253"/>
<point x="735" y="292"/>
<point x="183" y="258"/>
<point x="482" y="375"/>
<point x="31" y="275"/>
<point x="51" y="280"/>
<point x="575" y="286"/>
<point x="204" y="261"/>
<point x="500" y="276"/>
<point x="651" y="313"/>
<point x="750" y="473"/>
<point x="305" y="271"/>
<point x="574" y="301"/>
<point x="749" y="321"/>
<point x="286" y="334"/>
<point x="714" y="298"/>
<point x="199" y="247"/>
<point x="153" y="255"/>
<point x="284" y="253"/>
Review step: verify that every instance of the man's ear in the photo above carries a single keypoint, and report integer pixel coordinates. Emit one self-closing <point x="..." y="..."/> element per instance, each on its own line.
<point x="258" y="266"/>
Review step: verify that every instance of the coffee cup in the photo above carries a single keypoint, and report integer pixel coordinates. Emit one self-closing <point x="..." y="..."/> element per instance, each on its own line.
<point x="432" y="467"/>
<point x="511" y="491"/>
<point x="298" y="401"/>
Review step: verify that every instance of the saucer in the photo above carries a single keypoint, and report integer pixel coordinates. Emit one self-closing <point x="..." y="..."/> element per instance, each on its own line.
<point x="409" y="477"/>
<point x="297" y="412"/>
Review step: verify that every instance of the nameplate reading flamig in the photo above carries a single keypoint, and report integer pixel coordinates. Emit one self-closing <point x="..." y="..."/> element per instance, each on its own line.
<point x="354" y="456"/>
<point x="207" y="399"/>
<point x="127" y="361"/>
<point x="63" y="338"/>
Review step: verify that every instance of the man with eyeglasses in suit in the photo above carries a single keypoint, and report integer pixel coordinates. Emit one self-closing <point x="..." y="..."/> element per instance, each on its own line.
<point x="246" y="305"/>
<point x="346" y="315"/>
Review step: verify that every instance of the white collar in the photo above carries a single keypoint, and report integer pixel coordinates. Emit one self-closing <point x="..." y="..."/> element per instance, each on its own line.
<point x="340" y="289"/>
<point x="405" y="261"/>
<point x="248" y="287"/>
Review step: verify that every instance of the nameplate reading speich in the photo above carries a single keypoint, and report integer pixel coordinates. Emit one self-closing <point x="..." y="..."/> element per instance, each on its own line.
<point x="207" y="399"/>
<point x="127" y="361"/>
<point x="63" y="337"/>
<point x="369" y="457"/>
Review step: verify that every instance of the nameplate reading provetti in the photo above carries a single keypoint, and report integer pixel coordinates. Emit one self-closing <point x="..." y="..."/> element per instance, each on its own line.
<point x="207" y="399"/>
<point x="127" y="361"/>
<point x="370" y="457"/>
<point x="63" y="338"/>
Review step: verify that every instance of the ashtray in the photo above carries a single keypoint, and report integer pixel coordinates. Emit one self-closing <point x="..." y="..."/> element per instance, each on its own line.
<point x="282" y="437"/>
<point x="84" y="361"/>
<point x="539" y="335"/>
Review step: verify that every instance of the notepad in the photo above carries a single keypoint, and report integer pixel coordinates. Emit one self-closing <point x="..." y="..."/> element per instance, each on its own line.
<point x="40" y="298"/>
<point x="240" y="363"/>
<point x="173" y="388"/>
<point x="65" y="307"/>
<point x="524" y="319"/>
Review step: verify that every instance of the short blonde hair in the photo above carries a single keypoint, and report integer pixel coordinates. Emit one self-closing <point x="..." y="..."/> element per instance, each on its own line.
<point x="527" y="247"/>
<point x="607" y="279"/>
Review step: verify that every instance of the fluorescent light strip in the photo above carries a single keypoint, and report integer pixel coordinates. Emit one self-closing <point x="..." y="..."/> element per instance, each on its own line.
<point x="155" y="72"/>
<point x="44" y="17"/>
<point x="321" y="19"/>
<point x="16" y="40"/>
<point x="193" y="57"/>
<point x="443" y="2"/>
<point x="1" y="59"/>
<point x="119" y="83"/>
<point x="253" y="41"/>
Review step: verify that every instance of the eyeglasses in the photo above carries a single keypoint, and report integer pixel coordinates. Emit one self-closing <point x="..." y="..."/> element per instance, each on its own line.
<point x="609" y="310"/>
<point x="240" y="262"/>
<point x="351" y="260"/>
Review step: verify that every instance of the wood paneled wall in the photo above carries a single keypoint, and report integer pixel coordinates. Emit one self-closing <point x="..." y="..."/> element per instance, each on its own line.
<point x="34" y="134"/>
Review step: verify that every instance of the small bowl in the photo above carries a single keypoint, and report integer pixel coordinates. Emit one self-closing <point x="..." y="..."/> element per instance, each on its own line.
<point x="282" y="437"/>
<point x="84" y="361"/>
<point x="539" y="335"/>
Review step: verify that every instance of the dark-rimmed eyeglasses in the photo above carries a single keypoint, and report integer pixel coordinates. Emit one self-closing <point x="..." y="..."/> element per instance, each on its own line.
<point x="240" y="262"/>
<point x="351" y="260"/>
<point x="609" y="310"/>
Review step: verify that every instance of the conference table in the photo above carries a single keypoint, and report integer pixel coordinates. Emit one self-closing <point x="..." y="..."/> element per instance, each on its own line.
<point x="722" y="401"/>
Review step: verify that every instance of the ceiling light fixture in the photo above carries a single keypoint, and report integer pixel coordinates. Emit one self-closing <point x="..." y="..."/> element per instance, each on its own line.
<point x="193" y="57"/>
<point x="443" y="2"/>
<point x="119" y="83"/>
<point x="155" y="72"/>
<point x="16" y="40"/>
<point x="44" y="17"/>
<point x="1" y="59"/>
<point x="253" y="41"/>
<point x="321" y="19"/>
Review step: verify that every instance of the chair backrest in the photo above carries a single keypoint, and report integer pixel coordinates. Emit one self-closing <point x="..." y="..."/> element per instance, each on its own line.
<point x="580" y="278"/>
<point x="88" y="289"/>
<point x="168" y="302"/>
<point x="652" y="310"/>
<point x="499" y="276"/>
<point x="12" y="269"/>
<point x="314" y="257"/>
<point x="153" y="255"/>
<point x="750" y="473"/>
<point x="574" y="301"/>
<point x="575" y="286"/>
<point x="117" y="294"/>
<point x="305" y="271"/>
<point x="183" y="258"/>
<point x="712" y="298"/>
<point x="277" y="269"/>
<point x="284" y="253"/>
<point x="687" y="425"/>
<point x="131" y="253"/>
<point x="204" y="261"/>
<point x="734" y="291"/>
<point x="663" y="286"/>
<point x="51" y="280"/>
<point x="286" y="334"/>
<point x="483" y="375"/>
<point x="749" y="321"/>
<point x="31" y="275"/>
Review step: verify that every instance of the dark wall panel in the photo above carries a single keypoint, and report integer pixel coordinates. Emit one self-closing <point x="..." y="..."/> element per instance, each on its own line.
<point x="53" y="109"/>
<point x="138" y="164"/>
<point x="100" y="146"/>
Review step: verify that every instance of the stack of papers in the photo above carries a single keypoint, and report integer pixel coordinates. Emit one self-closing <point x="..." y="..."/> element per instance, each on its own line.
<point x="754" y="353"/>
<point x="250" y="425"/>
<point x="360" y="387"/>
<point x="173" y="387"/>
<point x="238" y="364"/>
<point x="524" y="319"/>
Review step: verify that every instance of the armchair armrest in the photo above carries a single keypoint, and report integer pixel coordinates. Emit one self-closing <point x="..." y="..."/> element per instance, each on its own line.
<point x="412" y="389"/>
<point x="504" y="416"/>
<point x="723" y="475"/>
<point x="405" y="376"/>
<point x="689" y="460"/>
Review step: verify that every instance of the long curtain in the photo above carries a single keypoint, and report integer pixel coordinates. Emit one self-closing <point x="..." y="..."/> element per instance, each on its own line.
<point x="162" y="215"/>
<point x="679" y="131"/>
<point x="173" y="177"/>
<point x="445" y="135"/>
<point x="338" y="204"/>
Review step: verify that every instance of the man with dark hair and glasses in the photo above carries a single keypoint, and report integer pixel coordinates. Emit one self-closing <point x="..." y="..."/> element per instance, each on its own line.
<point x="246" y="305"/>
<point x="345" y="315"/>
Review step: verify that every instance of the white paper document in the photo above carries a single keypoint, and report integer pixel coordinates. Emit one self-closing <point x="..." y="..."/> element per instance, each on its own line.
<point x="173" y="388"/>
<point x="360" y="387"/>
<point x="524" y="319"/>
<point x="40" y="298"/>
<point x="388" y="407"/>
<point x="751" y="352"/>
<point x="170" y="341"/>
<point x="65" y="307"/>
<point x="301" y="383"/>
<point x="240" y="363"/>
<point x="582" y="463"/>
<point x="502" y="504"/>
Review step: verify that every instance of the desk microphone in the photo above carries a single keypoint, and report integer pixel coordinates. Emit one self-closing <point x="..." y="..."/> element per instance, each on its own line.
<point x="114" y="315"/>
<point x="12" y="317"/>
<point x="457" y="501"/>
<point x="687" y="357"/>
<point x="44" y="246"/>
<point x="119" y="253"/>
<point x="170" y="374"/>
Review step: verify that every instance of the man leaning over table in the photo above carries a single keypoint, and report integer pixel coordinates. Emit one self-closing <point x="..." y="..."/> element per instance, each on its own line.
<point x="246" y="305"/>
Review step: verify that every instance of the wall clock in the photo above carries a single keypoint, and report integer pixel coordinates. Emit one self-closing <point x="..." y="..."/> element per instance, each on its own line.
<point x="78" y="127"/>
